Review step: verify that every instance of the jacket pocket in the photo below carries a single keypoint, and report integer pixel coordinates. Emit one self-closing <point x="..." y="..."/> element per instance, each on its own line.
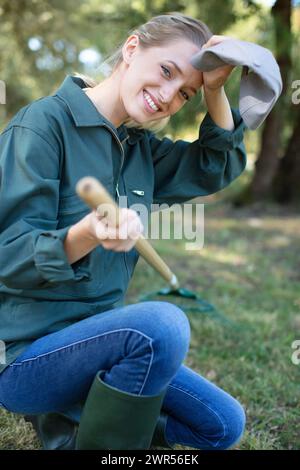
<point x="91" y="268"/>
<point x="89" y="272"/>
<point x="71" y="204"/>
<point x="140" y="200"/>
<point x="72" y="208"/>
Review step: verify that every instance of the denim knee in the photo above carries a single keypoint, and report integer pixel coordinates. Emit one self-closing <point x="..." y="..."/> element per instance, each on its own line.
<point x="234" y="426"/>
<point x="172" y="325"/>
<point x="226" y="428"/>
<point x="171" y="332"/>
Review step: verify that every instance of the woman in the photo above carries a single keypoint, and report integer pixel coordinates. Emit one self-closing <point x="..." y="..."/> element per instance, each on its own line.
<point x="70" y="343"/>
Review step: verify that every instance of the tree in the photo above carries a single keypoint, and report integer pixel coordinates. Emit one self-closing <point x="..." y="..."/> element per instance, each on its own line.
<point x="267" y="162"/>
<point x="286" y="182"/>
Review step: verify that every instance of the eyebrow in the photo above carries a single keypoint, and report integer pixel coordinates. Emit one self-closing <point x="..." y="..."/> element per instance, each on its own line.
<point x="181" y="72"/>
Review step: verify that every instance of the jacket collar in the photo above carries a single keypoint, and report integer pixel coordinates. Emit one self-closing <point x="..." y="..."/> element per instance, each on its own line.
<point x="85" y="114"/>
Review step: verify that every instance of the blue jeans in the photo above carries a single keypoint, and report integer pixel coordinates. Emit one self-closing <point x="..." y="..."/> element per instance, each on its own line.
<point x="142" y="348"/>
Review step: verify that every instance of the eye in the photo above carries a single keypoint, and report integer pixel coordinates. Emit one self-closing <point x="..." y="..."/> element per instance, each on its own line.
<point x="165" y="69"/>
<point x="186" y="97"/>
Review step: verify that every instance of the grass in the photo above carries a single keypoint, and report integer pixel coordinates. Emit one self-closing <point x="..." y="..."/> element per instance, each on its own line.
<point x="249" y="269"/>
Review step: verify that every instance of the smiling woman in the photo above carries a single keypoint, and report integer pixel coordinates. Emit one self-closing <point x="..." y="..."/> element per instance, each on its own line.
<point x="88" y="371"/>
<point x="176" y="34"/>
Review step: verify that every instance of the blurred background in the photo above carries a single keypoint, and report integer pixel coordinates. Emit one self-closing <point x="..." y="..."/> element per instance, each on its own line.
<point x="249" y="266"/>
<point x="43" y="40"/>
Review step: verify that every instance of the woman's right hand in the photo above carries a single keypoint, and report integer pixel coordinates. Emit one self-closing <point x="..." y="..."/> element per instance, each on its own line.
<point x="122" y="238"/>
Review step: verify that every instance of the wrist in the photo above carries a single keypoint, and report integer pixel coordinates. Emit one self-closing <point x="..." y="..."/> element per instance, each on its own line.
<point x="80" y="240"/>
<point x="219" y="108"/>
<point x="218" y="91"/>
<point x="87" y="228"/>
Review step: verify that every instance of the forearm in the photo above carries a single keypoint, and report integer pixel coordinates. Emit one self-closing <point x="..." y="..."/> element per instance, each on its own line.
<point x="79" y="240"/>
<point x="218" y="107"/>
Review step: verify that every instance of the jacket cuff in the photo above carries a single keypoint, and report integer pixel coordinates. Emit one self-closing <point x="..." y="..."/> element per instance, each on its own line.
<point x="217" y="138"/>
<point x="51" y="259"/>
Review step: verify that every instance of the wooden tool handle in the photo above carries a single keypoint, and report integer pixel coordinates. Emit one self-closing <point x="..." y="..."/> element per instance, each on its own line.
<point x="93" y="193"/>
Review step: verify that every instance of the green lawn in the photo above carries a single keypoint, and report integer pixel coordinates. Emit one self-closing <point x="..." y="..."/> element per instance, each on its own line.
<point x="249" y="269"/>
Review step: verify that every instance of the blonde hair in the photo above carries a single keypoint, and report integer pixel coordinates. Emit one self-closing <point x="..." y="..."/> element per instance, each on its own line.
<point x="158" y="31"/>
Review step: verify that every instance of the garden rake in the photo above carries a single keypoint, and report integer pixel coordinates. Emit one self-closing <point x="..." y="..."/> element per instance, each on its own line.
<point x="93" y="193"/>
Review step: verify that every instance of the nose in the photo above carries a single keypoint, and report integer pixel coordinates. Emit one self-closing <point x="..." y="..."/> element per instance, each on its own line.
<point x="167" y="94"/>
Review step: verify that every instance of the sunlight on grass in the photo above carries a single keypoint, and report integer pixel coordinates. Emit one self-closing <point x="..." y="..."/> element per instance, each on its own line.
<point x="215" y="253"/>
<point x="278" y="241"/>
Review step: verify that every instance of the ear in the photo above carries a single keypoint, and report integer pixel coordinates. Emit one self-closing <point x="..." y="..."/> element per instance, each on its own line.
<point x="130" y="47"/>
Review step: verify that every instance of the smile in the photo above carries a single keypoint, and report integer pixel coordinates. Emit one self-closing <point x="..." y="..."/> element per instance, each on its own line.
<point x="150" y="105"/>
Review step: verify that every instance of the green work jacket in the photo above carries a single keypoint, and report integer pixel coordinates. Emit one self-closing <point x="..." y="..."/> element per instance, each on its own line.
<point x="44" y="150"/>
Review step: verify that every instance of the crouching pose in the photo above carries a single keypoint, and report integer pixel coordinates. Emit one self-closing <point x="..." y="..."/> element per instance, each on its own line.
<point x="88" y="371"/>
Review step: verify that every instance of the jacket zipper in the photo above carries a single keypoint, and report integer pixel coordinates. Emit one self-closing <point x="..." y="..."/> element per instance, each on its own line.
<point x="117" y="191"/>
<point x="117" y="185"/>
<point x="123" y="156"/>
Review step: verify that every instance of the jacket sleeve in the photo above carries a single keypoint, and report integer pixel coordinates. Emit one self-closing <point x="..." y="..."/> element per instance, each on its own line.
<point x="184" y="170"/>
<point x="31" y="248"/>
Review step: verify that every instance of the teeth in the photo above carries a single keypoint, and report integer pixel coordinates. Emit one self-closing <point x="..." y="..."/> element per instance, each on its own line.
<point x="150" y="101"/>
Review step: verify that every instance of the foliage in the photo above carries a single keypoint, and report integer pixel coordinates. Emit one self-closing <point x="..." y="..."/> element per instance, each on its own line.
<point x="63" y="30"/>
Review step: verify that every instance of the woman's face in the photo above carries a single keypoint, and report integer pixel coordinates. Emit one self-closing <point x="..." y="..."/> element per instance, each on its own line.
<point x="150" y="78"/>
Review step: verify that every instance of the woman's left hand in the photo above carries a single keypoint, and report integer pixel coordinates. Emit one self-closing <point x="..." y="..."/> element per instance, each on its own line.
<point x="215" y="79"/>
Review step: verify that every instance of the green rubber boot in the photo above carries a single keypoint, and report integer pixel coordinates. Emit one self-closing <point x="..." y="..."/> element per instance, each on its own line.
<point x="159" y="437"/>
<point x="55" y="430"/>
<point x="58" y="431"/>
<point x="115" y="419"/>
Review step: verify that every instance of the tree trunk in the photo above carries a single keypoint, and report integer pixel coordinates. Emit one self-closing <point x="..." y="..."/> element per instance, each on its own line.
<point x="268" y="159"/>
<point x="286" y="183"/>
<point x="267" y="162"/>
